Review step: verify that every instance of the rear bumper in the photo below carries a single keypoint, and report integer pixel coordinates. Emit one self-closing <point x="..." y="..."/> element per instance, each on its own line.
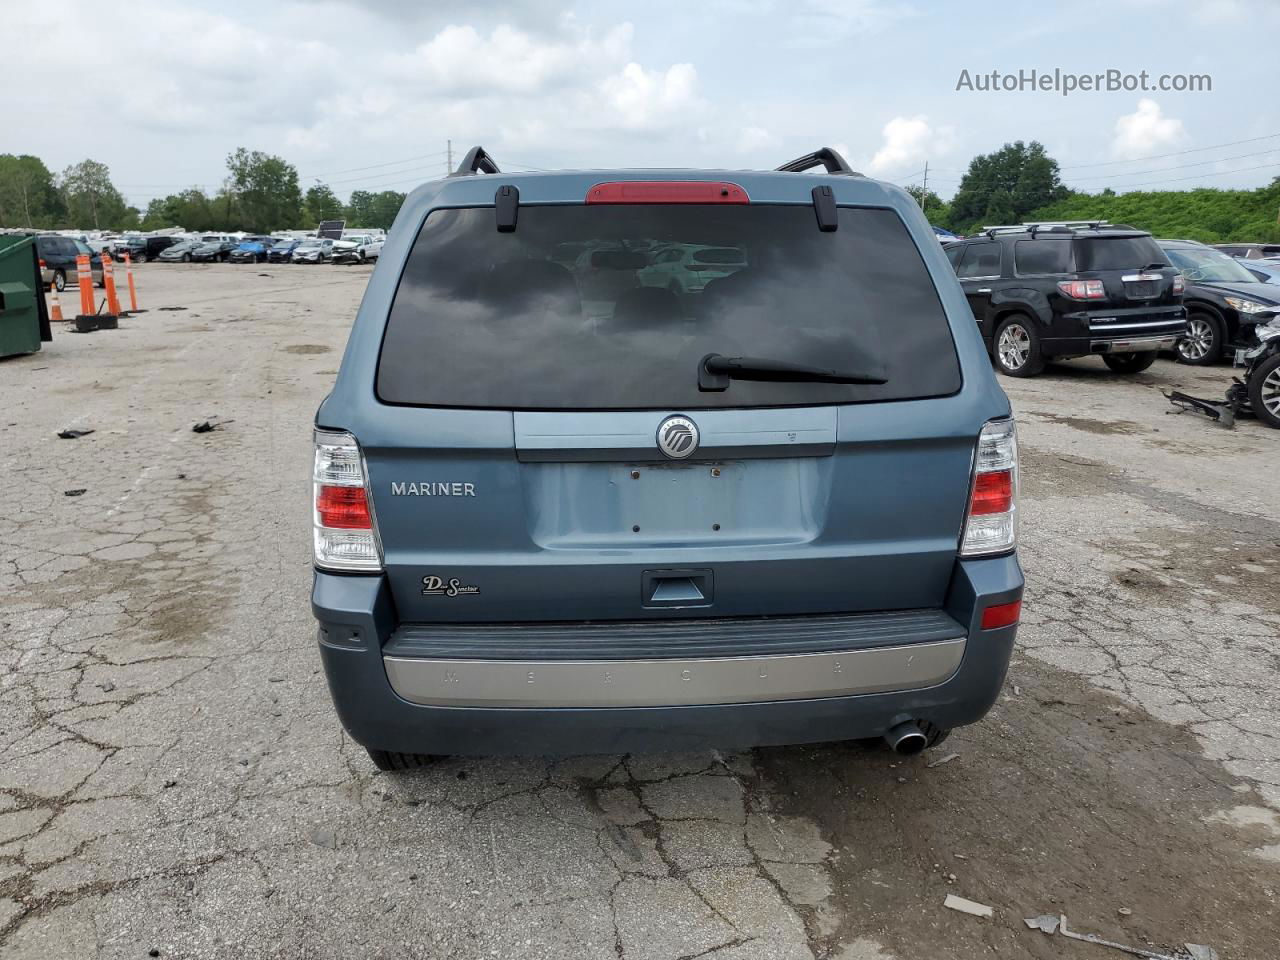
<point x="564" y="704"/>
<point x="1118" y="331"/>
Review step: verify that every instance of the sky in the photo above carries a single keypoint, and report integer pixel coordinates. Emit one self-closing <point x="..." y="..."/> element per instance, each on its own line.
<point x="366" y="95"/>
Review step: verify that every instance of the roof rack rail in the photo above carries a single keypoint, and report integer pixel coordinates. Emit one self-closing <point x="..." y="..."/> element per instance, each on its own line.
<point x="475" y="161"/>
<point x="824" y="157"/>
<point x="1053" y="226"/>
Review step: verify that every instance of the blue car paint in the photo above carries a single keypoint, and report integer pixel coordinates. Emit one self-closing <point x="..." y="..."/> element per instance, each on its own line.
<point x="903" y="548"/>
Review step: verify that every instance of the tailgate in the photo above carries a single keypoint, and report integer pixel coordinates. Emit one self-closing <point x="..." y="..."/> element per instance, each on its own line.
<point x="577" y="516"/>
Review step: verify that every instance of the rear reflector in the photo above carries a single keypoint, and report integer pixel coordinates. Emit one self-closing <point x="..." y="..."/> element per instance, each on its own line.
<point x="667" y="191"/>
<point x="1001" y="615"/>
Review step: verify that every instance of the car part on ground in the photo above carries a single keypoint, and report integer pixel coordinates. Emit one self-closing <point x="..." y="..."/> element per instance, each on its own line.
<point x="681" y="601"/>
<point x="1258" y="394"/>
<point x="1045" y="291"/>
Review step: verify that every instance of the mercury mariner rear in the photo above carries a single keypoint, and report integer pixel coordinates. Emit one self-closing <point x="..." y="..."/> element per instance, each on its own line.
<point x="662" y="460"/>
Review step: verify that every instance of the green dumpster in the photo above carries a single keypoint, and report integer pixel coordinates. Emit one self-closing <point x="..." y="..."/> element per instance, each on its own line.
<point x="24" y="318"/>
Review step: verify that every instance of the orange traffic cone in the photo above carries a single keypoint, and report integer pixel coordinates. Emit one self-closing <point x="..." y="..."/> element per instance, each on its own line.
<point x="133" y="292"/>
<point x="109" y="281"/>
<point x="55" y="313"/>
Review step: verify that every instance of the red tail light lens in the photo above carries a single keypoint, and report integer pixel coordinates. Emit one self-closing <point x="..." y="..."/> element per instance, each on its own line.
<point x="667" y="191"/>
<point x="1001" y="615"/>
<point x="1082" y="289"/>
<point x="343" y="508"/>
<point x="1179" y="285"/>
<point x="992" y="493"/>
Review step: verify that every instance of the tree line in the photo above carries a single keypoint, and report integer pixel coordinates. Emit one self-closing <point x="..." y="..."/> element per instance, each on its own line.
<point x="259" y="194"/>
<point x="1020" y="182"/>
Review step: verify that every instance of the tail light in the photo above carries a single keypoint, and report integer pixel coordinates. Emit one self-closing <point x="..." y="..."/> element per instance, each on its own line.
<point x="1082" y="289"/>
<point x="991" y="525"/>
<point x="1179" y="284"/>
<point x="346" y="537"/>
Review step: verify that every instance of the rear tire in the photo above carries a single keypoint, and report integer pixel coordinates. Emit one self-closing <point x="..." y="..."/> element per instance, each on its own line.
<point x="1016" y="348"/>
<point x="1202" y="345"/>
<point x="1264" y="391"/>
<point x="392" y="761"/>
<point x="59" y="280"/>
<point x="1129" y="362"/>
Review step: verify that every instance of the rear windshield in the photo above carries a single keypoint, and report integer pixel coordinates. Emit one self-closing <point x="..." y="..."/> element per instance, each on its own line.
<point x="609" y="307"/>
<point x="1117" y="253"/>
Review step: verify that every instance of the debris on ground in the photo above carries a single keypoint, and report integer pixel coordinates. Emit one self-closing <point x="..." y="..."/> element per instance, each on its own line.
<point x="1051" y="924"/>
<point x="947" y="759"/>
<point x="77" y="492"/>
<point x="73" y="434"/>
<point x="173" y="308"/>
<point x="205" y="426"/>
<point x="1223" y="411"/>
<point x="106" y="686"/>
<point x="970" y="907"/>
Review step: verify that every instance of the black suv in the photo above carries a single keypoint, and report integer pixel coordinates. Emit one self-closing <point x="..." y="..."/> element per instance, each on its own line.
<point x="1223" y="300"/>
<point x="142" y="249"/>
<point x="1043" y="291"/>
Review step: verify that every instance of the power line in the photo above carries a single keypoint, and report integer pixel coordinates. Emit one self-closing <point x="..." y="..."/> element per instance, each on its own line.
<point x="1201" y="176"/>
<point x="373" y="166"/>
<point x="1179" y="166"/>
<point x="1161" y="156"/>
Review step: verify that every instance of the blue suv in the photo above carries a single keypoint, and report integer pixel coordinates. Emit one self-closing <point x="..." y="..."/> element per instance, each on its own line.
<point x="565" y="505"/>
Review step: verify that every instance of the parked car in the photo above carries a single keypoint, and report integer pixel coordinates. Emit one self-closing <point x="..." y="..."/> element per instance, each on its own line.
<point x="213" y="251"/>
<point x="1222" y="298"/>
<point x="1249" y="251"/>
<point x="779" y="510"/>
<point x="347" y="250"/>
<point x="58" y="261"/>
<point x="371" y="249"/>
<point x="313" y="250"/>
<point x="282" y="250"/>
<point x="180" y="252"/>
<point x="688" y="267"/>
<point x="251" y="250"/>
<point x="1265" y="271"/>
<point x="142" y="249"/>
<point x="1045" y="291"/>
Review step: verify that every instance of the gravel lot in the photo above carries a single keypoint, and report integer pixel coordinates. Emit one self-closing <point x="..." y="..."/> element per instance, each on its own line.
<point x="173" y="781"/>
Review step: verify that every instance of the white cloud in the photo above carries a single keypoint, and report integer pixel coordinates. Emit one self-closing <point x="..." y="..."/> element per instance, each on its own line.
<point x="644" y="98"/>
<point x="908" y="143"/>
<point x="1145" y="130"/>
<point x="751" y="139"/>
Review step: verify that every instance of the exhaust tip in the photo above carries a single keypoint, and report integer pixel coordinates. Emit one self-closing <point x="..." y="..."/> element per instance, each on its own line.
<point x="906" y="739"/>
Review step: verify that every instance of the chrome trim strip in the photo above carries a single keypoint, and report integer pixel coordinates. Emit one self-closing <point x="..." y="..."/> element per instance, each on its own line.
<point x="1135" y="277"/>
<point x="1144" y="323"/>
<point x="1136" y="344"/>
<point x="665" y="683"/>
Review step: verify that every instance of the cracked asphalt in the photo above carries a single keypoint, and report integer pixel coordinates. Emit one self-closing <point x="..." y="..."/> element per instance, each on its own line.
<point x="173" y="781"/>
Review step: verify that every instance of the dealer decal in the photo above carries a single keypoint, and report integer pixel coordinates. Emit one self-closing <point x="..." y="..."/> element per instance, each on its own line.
<point x="439" y="587"/>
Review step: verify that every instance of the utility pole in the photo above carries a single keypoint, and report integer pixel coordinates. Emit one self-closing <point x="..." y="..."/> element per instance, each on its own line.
<point x="448" y="163"/>
<point x="924" y="189"/>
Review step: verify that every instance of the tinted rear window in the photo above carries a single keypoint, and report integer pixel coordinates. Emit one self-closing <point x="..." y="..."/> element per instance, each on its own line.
<point x="1033" y="257"/>
<point x="583" y="308"/>
<point x="1117" y="253"/>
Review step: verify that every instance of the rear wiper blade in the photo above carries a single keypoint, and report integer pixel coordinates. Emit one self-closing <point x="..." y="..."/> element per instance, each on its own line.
<point x="716" y="370"/>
